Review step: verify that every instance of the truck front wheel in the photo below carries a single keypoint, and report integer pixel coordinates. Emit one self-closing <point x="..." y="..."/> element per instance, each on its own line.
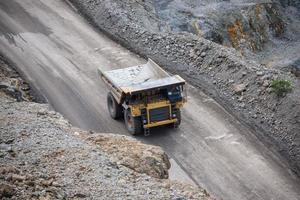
<point x="133" y="124"/>
<point x="115" y="110"/>
<point x="178" y="114"/>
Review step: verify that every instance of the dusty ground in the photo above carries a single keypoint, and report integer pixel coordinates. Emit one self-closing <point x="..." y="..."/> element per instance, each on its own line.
<point x="215" y="69"/>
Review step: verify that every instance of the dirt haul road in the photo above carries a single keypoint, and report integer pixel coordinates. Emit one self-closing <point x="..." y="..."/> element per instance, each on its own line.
<point x="59" y="52"/>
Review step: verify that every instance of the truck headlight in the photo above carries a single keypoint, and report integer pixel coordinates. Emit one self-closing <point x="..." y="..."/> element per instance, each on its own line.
<point x="174" y="115"/>
<point x="144" y="121"/>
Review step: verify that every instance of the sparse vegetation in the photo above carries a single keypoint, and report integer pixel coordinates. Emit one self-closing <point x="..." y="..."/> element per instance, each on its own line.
<point x="281" y="87"/>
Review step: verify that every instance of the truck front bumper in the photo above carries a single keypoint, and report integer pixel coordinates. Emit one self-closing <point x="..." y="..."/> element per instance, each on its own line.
<point x="160" y="123"/>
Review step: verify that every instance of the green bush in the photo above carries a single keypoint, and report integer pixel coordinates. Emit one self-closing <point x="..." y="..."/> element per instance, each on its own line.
<point x="281" y="87"/>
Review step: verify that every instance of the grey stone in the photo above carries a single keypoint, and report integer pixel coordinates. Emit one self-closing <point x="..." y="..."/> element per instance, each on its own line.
<point x="239" y="88"/>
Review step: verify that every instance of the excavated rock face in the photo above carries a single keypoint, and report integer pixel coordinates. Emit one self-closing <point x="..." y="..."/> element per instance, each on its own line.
<point x="241" y="24"/>
<point x="251" y="26"/>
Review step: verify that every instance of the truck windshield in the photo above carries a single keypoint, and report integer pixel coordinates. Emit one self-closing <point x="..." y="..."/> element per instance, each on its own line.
<point x="174" y="94"/>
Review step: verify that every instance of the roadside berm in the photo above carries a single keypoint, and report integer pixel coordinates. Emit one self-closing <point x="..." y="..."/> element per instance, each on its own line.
<point x="42" y="156"/>
<point x="242" y="86"/>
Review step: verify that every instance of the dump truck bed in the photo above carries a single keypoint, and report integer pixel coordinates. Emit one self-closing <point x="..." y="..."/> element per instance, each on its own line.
<point x="139" y="78"/>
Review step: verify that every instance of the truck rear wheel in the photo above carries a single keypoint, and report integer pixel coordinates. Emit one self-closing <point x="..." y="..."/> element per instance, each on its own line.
<point x="115" y="110"/>
<point x="133" y="124"/>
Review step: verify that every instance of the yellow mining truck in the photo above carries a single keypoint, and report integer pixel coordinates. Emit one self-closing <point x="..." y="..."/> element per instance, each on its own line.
<point x="146" y="95"/>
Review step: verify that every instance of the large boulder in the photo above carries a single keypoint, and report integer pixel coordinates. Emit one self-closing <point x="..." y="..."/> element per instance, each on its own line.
<point x="126" y="151"/>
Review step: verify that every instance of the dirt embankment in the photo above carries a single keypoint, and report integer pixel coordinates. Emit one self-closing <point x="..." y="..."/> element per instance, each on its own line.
<point x="43" y="157"/>
<point x="242" y="87"/>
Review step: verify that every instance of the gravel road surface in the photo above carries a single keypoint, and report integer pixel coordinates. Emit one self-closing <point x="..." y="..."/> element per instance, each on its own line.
<point x="59" y="52"/>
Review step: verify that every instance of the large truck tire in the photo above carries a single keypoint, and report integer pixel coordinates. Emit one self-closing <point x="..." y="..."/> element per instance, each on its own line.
<point x="115" y="110"/>
<point x="133" y="124"/>
<point x="178" y="114"/>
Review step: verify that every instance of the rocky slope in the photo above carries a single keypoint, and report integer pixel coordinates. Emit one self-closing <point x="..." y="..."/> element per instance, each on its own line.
<point x="258" y="29"/>
<point x="43" y="157"/>
<point x="241" y="86"/>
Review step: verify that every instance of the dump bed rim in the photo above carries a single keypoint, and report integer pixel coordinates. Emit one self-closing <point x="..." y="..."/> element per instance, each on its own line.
<point x="128" y="90"/>
<point x="110" y="75"/>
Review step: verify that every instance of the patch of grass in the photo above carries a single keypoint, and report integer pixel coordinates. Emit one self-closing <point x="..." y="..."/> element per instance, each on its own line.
<point x="281" y="87"/>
